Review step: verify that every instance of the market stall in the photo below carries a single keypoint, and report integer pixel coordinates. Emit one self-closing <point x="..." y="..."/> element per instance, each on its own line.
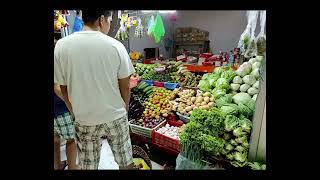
<point x="201" y="110"/>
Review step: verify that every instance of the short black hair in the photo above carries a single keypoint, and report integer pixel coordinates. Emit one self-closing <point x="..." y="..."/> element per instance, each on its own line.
<point x="91" y="16"/>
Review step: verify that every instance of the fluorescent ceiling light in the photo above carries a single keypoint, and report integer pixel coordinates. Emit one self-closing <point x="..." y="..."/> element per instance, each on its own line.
<point x="150" y="11"/>
<point x="167" y="11"/>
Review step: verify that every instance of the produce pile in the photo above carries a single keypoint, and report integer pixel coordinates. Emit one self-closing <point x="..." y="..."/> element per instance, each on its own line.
<point x="174" y="72"/>
<point x="185" y="101"/>
<point x="170" y="131"/>
<point x="247" y="79"/>
<point x="158" y="103"/>
<point x="224" y="130"/>
<point x="147" y="122"/>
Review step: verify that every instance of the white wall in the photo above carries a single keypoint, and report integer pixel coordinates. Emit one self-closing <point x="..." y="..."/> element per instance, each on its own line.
<point x="225" y="27"/>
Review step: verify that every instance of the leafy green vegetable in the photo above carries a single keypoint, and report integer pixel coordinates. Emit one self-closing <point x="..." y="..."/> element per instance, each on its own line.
<point x="238" y="132"/>
<point x="237" y="80"/>
<point x="240" y="156"/>
<point x="222" y="83"/>
<point x="256" y="65"/>
<point x="244" y="87"/>
<point x="255" y="73"/>
<point x="245" y="124"/>
<point x="244" y="69"/>
<point x="211" y="144"/>
<point x="224" y="100"/>
<point x="218" y="70"/>
<point x="229" y="147"/>
<point x="226" y="136"/>
<point x="256" y="85"/>
<point x="228" y="75"/>
<point x="238" y="164"/>
<point x="253" y="91"/>
<point x="235" y="87"/>
<point x="239" y="149"/>
<point x="229" y="109"/>
<point x="254" y="97"/>
<point x="204" y="85"/>
<point x="241" y="139"/>
<point x="249" y="79"/>
<point x="230" y="156"/>
<point x="217" y="93"/>
<point x="245" y="144"/>
<point x="230" y="123"/>
<point x="243" y="98"/>
<point x="199" y="116"/>
<point x="233" y="142"/>
<point x="257" y="166"/>
<point x="245" y="110"/>
<point x="214" y="122"/>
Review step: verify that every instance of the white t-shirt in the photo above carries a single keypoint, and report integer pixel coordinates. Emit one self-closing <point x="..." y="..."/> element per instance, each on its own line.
<point x="90" y="63"/>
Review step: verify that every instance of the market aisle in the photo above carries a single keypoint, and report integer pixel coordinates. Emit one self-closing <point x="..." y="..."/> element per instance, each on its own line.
<point x="106" y="158"/>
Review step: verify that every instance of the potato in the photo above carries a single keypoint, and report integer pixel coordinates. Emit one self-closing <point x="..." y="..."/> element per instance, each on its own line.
<point x="204" y="103"/>
<point x="189" y="103"/>
<point x="195" y="107"/>
<point x="210" y="104"/>
<point x="206" y="107"/>
<point x="193" y="99"/>
<point x="199" y="99"/>
<point x="206" y="99"/>
<point x="190" y="112"/>
<point x="211" y="99"/>
<point x="189" y="108"/>
<point x="198" y="104"/>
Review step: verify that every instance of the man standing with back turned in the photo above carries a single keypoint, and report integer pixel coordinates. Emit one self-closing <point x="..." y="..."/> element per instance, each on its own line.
<point x="93" y="71"/>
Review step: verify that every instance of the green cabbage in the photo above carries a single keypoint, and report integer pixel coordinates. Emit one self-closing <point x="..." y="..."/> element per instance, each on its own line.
<point x="224" y="100"/>
<point x="245" y="110"/>
<point x="237" y="80"/>
<point x="217" y="93"/>
<point x="218" y="70"/>
<point x="241" y="157"/>
<point x="254" y="97"/>
<point x="222" y="83"/>
<point x="249" y="79"/>
<point x="235" y="87"/>
<point x="244" y="87"/>
<point x="230" y="109"/>
<point x="245" y="124"/>
<point x="228" y="75"/>
<point x="243" y="98"/>
<point x="204" y="85"/>
<point x="244" y="69"/>
<point x="253" y="91"/>
<point x="255" y="73"/>
<point x="256" y="65"/>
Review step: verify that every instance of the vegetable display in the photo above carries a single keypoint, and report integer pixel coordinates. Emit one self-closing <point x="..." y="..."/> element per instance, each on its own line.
<point x="170" y="131"/>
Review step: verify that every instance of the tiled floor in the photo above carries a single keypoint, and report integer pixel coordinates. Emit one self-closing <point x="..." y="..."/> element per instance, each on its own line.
<point x="107" y="159"/>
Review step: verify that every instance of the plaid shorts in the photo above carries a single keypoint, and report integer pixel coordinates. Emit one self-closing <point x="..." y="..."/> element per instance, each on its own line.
<point x="90" y="142"/>
<point x="64" y="127"/>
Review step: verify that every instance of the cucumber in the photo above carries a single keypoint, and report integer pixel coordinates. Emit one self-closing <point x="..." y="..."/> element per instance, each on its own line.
<point x="147" y="89"/>
<point x="143" y="85"/>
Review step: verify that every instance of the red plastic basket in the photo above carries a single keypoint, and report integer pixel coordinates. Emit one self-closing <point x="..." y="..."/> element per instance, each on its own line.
<point x="158" y="83"/>
<point x="165" y="141"/>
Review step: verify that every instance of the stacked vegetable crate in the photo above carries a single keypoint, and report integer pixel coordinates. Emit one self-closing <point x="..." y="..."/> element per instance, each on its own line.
<point x="164" y="141"/>
<point x="143" y="131"/>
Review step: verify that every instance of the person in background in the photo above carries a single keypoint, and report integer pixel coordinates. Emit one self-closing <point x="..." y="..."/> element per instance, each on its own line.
<point x="93" y="71"/>
<point x="63" y="129"/>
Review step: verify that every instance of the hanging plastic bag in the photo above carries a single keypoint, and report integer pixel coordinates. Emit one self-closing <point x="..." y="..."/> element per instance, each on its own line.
<point x="252" y="47"/>
<point x="139" y="29"/>
<point x="122" y="33"/>
<point x="158" y="30"/>
<point x="245" y="36"/>
<point x="261" y="38"/>
<point x="150" y="25"/>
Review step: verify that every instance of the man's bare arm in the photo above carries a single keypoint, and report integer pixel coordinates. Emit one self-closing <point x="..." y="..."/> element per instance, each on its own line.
<point x="65" y="97"/>
<point x="125" y="90"/>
